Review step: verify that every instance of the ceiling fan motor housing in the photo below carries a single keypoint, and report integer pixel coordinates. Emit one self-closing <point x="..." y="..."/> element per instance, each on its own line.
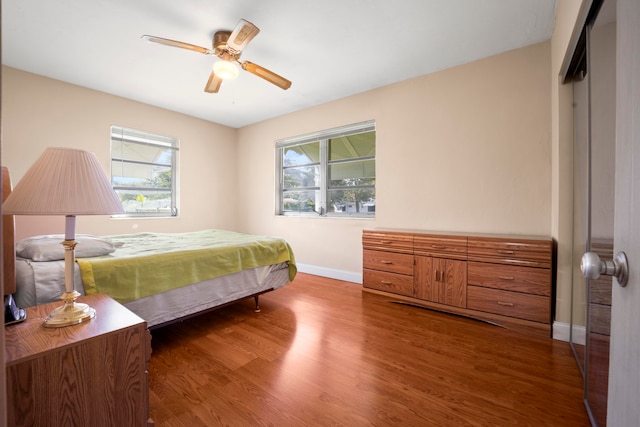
<point x="220" y="39"/>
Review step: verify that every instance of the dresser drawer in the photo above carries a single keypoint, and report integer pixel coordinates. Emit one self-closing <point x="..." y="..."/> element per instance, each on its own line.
<point x="513" y="304"/>
<point x="510" y="278"/>
<point x="453" y="247"/>
<point x="388" y="241"/>
<point x="529" y="252"/>
<point x="387" y="261"/>
<point x="388" y="282"/>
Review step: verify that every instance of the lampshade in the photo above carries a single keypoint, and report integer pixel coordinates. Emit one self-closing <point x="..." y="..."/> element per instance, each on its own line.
<point x="69" y="182"/>
<point x="226" y="70"/>
<point x="63" y="181"/>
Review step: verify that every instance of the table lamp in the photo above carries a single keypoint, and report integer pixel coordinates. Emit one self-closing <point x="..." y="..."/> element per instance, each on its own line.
<point x="69" y="182"/>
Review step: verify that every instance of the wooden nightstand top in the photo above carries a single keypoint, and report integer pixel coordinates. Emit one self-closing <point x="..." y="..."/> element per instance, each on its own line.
<point x="30" y="339"/>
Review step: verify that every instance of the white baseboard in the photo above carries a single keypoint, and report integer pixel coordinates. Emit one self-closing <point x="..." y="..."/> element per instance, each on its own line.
<point x="562" y="332"/>
<point x="331" y="273"/>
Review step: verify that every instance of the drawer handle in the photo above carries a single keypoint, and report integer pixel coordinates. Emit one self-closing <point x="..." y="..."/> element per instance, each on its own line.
<point x="437" y="246"/>
<point x="385" y="242"/>
<point x="506" y="252"/>
<point x="384" y="282"/>
<point x="386" y="262"/>
<point x="507" y="278"/>
<point x="507" y="304"/>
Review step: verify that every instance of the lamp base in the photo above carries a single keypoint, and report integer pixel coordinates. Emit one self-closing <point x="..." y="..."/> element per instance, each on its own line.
<point x="71" y="313"/>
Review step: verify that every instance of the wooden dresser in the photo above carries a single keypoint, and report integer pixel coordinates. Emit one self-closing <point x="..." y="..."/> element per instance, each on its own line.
<point x="90" y="374"/>
<point x="500" y="278"/>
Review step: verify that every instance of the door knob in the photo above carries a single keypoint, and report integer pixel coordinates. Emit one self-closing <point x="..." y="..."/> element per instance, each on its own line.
<point x="592" y="267"/>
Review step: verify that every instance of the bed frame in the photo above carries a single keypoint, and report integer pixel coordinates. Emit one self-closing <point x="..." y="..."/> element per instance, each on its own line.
<point x="8" y="237"/>
<point x="255" y="296"/>
<point x="12" y="313"/>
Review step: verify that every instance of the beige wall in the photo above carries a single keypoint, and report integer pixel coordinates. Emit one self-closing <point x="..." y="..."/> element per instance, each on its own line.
<point x="465" y="149"/>
<point x="38" y="112"/>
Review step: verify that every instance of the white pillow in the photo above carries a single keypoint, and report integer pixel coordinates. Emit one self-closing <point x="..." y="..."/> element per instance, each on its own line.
<point x="49" y="247"/>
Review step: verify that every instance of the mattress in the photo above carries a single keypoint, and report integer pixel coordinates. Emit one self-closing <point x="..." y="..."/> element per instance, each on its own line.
<point x="43" y="282"/>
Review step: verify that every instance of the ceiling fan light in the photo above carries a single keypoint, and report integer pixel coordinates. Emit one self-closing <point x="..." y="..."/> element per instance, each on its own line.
<point x="226" y="70"/>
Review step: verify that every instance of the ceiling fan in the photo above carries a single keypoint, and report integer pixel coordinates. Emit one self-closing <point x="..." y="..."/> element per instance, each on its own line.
<point x="228" y="45"/>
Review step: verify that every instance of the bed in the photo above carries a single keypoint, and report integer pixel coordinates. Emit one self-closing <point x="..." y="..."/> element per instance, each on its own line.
<point x="162" y="277"/>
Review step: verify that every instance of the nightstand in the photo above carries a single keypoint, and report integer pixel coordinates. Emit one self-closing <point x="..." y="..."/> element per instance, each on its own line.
<point x="90" y="374"/>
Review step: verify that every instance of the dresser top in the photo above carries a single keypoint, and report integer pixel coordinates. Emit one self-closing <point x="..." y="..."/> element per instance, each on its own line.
<point x="457" y="233"/>
<point x="30" y="338"/>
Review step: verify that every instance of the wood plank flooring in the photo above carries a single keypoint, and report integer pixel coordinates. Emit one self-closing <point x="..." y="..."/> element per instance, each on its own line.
<point x="321" y="352"/>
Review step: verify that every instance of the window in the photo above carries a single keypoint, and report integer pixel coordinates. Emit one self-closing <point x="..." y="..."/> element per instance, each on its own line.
<point x="144" y="172"/>
<point x="328" y="173"/>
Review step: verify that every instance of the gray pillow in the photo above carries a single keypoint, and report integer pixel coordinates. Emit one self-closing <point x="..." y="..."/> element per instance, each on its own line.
<point x="49" y="247"/>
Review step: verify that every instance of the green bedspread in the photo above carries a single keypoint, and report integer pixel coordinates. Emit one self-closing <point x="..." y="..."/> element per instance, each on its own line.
<point x="150" y="263"/>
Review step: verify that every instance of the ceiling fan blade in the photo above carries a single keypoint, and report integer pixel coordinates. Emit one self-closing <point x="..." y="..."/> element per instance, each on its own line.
<point x="244" y="32"/>
<point x="213" y="85"/>
<point x="268" y="75"/>
<point x="174" y="43"/>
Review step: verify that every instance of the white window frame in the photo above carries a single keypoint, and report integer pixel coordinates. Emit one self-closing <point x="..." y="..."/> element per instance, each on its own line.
<point x="323" y="137"/>
<point x="133" y="136"/>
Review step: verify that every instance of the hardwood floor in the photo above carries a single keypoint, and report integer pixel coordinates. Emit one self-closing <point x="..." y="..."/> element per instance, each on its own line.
<point x="321" y="352"/>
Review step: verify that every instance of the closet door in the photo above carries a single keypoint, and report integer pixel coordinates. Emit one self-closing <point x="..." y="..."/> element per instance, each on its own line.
<point x="602" y="136"/>
<point x="594" y="94"/>
<point x="581" y="216"/>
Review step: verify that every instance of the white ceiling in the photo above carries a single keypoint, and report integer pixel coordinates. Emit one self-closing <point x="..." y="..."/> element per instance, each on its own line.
<point x="329" y="49"/>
